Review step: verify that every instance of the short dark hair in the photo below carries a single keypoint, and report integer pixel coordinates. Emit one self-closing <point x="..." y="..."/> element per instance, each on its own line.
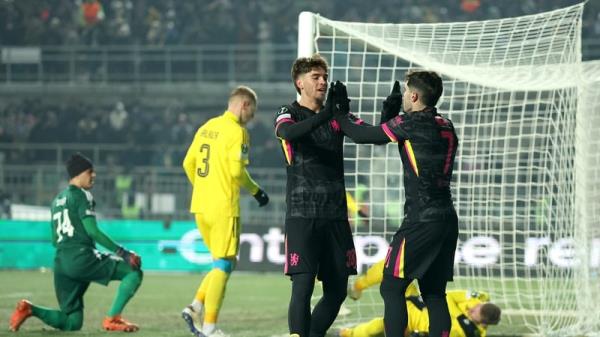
<point x="304" y="65"/>
<point x="428" y="84"/>
<point x="490" y="314"/>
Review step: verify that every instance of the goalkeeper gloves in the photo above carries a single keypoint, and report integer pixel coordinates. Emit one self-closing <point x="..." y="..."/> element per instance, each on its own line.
<point x="262" y="197"/>
<point x="392" y="104"/>
<point x="130" y="257"/>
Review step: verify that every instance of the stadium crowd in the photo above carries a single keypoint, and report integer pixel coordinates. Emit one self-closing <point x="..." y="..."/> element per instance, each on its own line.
<point x="157" y="133"/>
<point x="157" y="22"/>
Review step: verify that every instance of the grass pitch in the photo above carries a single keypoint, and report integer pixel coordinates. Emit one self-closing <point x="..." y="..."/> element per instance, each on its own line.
<point x="255" y="304"/>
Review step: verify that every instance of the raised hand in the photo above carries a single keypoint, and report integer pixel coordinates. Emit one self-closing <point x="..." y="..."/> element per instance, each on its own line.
<point x="342" y="102"/>
<point x="392" y="104"/>
<point x="330" y="101"/>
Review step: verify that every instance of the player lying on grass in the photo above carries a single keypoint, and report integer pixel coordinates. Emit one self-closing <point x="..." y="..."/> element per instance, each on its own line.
<point x="77" y="262"/>
<point x="471" y="312"/>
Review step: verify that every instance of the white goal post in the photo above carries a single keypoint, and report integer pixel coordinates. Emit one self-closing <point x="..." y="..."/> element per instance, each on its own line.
<point x="527" y="175"/>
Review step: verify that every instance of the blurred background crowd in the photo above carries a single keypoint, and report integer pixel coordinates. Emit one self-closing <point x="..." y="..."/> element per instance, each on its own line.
<point x="170" y="128"/>
<point x="170" y="22"/>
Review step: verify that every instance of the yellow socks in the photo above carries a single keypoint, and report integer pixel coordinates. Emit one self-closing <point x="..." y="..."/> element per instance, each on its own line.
<point x="214" y="295"/>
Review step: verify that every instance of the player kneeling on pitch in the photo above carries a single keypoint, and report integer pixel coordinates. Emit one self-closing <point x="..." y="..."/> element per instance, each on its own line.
<point x="77" y="262"/>
<point x="471" y="312"/>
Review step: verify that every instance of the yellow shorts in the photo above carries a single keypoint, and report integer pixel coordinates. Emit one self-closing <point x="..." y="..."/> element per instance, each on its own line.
<point x="220" y="234"/>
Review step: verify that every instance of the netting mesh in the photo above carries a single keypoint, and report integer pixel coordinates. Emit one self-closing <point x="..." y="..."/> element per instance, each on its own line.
<point x="526" y="120"/>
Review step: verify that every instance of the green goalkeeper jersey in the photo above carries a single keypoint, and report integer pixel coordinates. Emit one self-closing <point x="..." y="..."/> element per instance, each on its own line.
<point x="69" y="208"/>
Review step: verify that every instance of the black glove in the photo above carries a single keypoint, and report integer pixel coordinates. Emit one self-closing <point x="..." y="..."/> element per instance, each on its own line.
<point x="342" y="102"/>
<point x="262" y="197"/>
<point x="134" y="260"/>
<point x="392" y="104"/>
<point x="329" y="107"/>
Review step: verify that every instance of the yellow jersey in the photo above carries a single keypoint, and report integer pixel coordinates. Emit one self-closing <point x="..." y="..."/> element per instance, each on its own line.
<point x="215" y="163"/>
<point x="459" y="303"/>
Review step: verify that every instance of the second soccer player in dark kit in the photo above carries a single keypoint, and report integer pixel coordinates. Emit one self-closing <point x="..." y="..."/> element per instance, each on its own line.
<point x="424" y="245"/>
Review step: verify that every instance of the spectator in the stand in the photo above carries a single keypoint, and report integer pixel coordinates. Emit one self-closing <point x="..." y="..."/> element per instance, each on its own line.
<point x="470" y="6"/>
<point x="47" y="129"/>
<point x="117" y="121"/>
<point x="182" y="130"/>
<point x="22" y="123"/>
<point x="154" y="34"/>
<point x="120" y="28"/>
<point x="92" y="14"/>
<point x="124" y="186"/>
<point x="53" y="34"/>
<point x="121" y="31"/>
<point x="171" y="33"/>
<point x="86" y="129"/>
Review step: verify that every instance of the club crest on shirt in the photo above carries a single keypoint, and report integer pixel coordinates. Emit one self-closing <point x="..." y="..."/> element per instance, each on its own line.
<point x="283" y="110"/>
<point x="283" y="115"/>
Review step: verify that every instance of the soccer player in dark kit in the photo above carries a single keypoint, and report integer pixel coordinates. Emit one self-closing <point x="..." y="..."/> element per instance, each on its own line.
<point x="318" y="239"/>
<point x="77" y="262"/>
<point x="423" y="247"/>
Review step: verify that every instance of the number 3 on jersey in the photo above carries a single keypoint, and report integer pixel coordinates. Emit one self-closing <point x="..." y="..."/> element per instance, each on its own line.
<point x="203" y="168"/>
<point x="63" y="224"/>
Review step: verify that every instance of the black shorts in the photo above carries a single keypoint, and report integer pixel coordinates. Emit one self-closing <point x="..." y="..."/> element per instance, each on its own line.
<point x="319" y="246"/>
<point x="424" y="249"/>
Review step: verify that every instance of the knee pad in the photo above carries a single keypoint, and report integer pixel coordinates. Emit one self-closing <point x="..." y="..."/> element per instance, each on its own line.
<point x="225" y="265"/>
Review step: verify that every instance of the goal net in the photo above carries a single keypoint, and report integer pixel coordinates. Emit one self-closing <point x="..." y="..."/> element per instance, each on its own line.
<point x="526" y="180"/>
